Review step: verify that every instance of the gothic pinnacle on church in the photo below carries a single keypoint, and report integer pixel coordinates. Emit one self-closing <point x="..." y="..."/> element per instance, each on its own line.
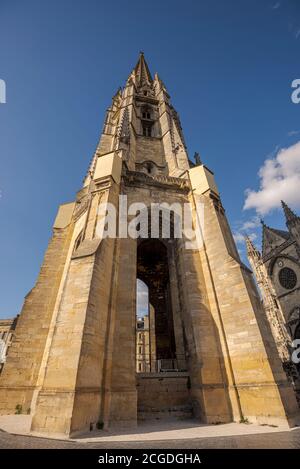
<point x="290" y="216"/>
<point x="252" y="251"/>
<point x="197" y="158"/>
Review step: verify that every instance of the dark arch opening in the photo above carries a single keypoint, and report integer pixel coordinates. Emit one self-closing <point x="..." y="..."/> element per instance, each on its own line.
<point x="153" y="270"/>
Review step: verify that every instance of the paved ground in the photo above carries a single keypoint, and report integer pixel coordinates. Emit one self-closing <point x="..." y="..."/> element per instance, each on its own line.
<point x="150" y="430"/>
<point x="176" y="430"/>
<point x="278" y="440"/>
<point x="187" y="434"/>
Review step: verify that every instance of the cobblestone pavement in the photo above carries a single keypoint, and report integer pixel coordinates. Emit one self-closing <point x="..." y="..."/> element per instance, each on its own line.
<point x="280" y="440"/>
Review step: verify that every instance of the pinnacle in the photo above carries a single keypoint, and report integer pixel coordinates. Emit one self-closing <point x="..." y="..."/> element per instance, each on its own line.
<point x="289" y="214"/>
<point x="197" y="158"/>
<point x="251" y="249"/>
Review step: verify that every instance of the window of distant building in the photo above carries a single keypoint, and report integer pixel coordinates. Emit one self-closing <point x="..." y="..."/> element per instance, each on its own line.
<point x="287" y="278"/>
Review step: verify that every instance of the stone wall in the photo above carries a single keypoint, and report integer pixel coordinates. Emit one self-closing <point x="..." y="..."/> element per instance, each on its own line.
<point x="164" y="396"/>
<point x="20" y="374"/>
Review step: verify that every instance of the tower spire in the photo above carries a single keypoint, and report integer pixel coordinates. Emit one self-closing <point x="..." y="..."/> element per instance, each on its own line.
<point x="142" y="71"/>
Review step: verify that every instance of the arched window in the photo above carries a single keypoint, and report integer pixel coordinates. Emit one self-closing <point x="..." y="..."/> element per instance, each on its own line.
<point x="78" y="241"/>
<point x="147" y="127"/>
<point x="146" y="120"/>
<point x="149" y="167"/>
<point x="146" y="112"/>
<point x="147" y="131"/>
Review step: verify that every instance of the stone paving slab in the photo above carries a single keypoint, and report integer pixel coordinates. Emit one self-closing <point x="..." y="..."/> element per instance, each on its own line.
<point x="19" y="424"/>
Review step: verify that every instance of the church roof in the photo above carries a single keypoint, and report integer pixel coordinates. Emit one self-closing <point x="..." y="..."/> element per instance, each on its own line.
<point x="272" y="238"/>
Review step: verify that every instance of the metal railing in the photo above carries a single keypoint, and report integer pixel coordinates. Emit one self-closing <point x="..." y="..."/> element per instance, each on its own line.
<point x="146" y="364"/>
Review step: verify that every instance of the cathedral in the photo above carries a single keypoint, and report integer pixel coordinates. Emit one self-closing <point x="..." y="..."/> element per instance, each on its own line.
<point x="277" y="272"/>
<point x="212" y="353"/>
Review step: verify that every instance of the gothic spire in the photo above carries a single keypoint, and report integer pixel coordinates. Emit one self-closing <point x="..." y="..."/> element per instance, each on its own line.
<point x="290" y="216"/>
<point x="252" y="251"/>
<point x="142" y="72"/>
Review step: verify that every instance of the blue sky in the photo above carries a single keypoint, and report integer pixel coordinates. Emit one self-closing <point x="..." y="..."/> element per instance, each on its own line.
<point x="227" y="65"/>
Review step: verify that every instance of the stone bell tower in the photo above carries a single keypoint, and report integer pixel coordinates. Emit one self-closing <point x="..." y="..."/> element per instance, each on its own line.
<point x="211" y="352"/>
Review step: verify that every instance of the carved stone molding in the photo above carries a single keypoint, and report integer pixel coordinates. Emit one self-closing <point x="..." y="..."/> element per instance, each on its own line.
<point x="165" y="182"/>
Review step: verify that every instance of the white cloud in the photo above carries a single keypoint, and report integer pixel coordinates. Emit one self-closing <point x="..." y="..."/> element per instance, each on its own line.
<point x="252" y="236"/>
<point x="238" y="237"/>
<point x="250" y="224"/>
<point x="279" y="180"/>
<point x="293" y="132"/>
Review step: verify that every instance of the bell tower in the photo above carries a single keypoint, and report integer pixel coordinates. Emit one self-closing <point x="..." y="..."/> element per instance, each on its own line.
<point x="210" y="351"/>
<point x="142" y="122"/>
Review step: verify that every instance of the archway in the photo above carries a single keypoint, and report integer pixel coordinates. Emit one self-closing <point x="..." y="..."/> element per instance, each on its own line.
<point x="153" y="271"/>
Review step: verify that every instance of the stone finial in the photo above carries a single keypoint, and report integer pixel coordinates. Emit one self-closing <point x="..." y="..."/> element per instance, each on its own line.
<point x="197" y="158"/>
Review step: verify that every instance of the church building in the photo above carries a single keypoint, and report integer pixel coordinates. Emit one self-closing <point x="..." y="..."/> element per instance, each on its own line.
<point x="277" y="272"/>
